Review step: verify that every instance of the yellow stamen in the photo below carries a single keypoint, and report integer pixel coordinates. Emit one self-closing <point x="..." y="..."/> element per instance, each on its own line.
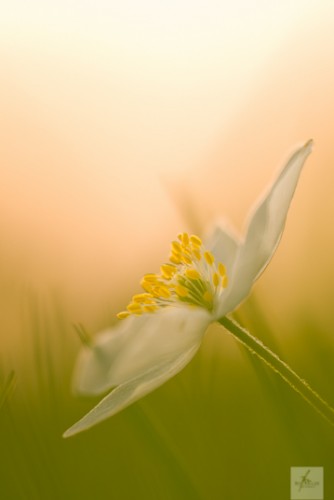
<point x="197" y="254"/>
<point x="142" y="298"/>
<point x="146" y="286"/>
<point x="195" y="240"/>
<point x="134" y="307"/>
<point x="221" y="269"/>
<point x="181" y="290"/>
<point x="209" y="258"/>
<point x="162" y="291"/>
<point x="123" y="314"/>
<point x="175" y="258"/>
<point x="193" y="274"/>
<point x="150" y="309"/>
<point x="184" y="237"/>
<point x="152" y="278"/>
<point x="168" y="271"/>
<point x="184" y="278"/>
<point x="176" y="247"/>
<point x="186" y="260"/>
<point x="224" y="281"/>
<point x="207" y="296"/>
<point x="215" y="279"/>
<point x="186" y="251"/>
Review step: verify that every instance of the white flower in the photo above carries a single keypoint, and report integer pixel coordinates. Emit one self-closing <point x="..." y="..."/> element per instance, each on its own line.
<point x="163" y="327"/>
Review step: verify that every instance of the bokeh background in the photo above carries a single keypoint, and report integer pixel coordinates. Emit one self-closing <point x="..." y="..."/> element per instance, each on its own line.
<point x="122" y="124"/>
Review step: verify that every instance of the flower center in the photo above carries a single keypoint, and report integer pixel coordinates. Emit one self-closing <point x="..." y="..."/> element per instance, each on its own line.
<point x="190" y="277"/>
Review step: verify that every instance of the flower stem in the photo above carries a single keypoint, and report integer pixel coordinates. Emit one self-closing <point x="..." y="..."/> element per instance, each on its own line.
<point x="255" y="346"/>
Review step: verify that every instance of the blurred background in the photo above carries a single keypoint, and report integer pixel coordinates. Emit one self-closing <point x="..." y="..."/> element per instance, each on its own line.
<point x="122" y="124"/>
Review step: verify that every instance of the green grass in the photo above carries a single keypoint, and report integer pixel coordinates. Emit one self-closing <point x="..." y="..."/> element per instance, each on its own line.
<point x="225" y="428"/>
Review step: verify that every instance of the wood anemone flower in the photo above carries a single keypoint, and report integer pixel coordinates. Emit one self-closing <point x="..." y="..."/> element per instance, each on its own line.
<point x="162" y="327"/>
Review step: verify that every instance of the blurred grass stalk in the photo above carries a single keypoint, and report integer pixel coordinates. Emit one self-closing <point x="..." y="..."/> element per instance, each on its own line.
<point x="7" y="388"/>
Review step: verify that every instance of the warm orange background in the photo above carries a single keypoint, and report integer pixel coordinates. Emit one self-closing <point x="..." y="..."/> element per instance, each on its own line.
<point x="121" y="124"/>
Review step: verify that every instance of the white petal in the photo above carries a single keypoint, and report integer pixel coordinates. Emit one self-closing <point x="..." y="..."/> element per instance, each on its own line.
<point x="136" y="345"/>
<point x="223" y="245"/>
<point x="129" y="392"/>
<point x="264" y="231"/>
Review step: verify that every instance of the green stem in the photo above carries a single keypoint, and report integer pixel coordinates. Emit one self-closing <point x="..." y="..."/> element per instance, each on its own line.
<point x="255" y="346"/>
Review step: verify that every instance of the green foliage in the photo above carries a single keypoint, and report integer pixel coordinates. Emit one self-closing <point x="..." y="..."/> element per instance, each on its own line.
<point x="226" y="427"/>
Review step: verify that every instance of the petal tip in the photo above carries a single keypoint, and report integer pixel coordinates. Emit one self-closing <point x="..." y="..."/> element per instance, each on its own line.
<point x="71" y="431"/>
<point x="309" y="145"/>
